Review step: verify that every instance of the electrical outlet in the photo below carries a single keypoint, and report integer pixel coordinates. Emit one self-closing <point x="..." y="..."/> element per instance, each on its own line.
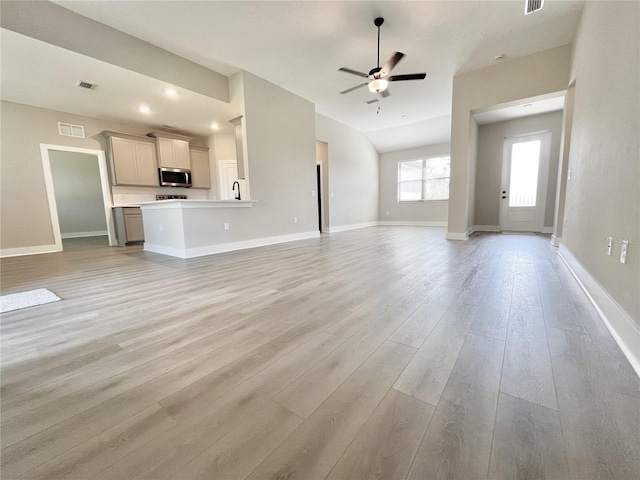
<point x="331" y="194"/>
<point x="387" y="214"/>
<point x="295" y="219"/>
<point x="226" y="226"/>
<point x="313" y="193"/>
<point x="623" y="251"/>
<point x="609" y="245"/>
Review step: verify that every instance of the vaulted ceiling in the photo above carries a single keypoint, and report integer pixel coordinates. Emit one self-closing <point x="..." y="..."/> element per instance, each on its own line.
<point x="300" y="46"/>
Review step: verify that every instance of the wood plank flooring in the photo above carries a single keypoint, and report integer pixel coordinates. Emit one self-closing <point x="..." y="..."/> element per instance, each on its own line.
<point x="386" y="353"/>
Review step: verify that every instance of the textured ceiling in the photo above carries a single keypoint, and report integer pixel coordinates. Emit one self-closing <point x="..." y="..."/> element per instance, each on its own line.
<point x="300" y="46"/>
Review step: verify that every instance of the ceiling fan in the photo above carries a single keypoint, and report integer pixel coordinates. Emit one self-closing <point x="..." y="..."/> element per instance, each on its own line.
<point x="379" y="76"/>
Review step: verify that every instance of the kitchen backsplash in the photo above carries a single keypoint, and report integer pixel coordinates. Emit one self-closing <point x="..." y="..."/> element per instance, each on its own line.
<point x="123" y="196"/>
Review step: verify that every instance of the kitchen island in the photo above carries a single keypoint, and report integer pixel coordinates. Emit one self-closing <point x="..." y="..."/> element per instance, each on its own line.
<point x="193" y="228"/>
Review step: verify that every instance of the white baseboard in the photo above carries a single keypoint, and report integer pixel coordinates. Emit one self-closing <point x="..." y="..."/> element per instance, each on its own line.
<point x="353" y="226"/>
<point x="622" y="328"/>
<point x="171" y="251"/>
<point x="457" y="236"/>
<point x="412" y="224"/>
<point x="16" y="252"/>
<point x="555" y="241"/>
<point x="547" y="230"/>
<point x="485" y="228"/>
<point x="96" y="233"/>
<point x="228" y="247"/>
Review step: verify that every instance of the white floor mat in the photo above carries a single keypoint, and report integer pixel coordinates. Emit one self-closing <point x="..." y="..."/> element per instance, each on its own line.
<point x="17" y="301"/>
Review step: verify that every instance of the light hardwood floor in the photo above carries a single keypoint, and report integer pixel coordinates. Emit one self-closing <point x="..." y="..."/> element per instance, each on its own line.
<point x="385" y="352"/>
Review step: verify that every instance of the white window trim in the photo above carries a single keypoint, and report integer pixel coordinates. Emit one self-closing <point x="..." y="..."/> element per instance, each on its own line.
<point x="423" y="159"/>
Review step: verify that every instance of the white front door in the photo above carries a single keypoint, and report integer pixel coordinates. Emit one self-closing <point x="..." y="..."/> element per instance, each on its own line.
<point x="525" y="170"/>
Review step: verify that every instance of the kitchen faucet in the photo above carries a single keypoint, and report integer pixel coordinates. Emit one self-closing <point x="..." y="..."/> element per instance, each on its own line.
<point x="233" y="187"/>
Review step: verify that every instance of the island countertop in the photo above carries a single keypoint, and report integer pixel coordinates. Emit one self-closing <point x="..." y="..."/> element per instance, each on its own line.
<point x="195" y="203"/>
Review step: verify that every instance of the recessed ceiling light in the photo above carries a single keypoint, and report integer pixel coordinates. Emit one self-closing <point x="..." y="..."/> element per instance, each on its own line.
<point x="170" y="91"/>
<point x="144" y="109"/>
<point x="215" y="126"/>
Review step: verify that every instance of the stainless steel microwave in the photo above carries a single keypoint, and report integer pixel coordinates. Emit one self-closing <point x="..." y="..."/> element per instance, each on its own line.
<point x="174" y="177"/>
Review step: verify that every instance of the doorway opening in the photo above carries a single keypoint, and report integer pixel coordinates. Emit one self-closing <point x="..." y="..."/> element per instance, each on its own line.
<point x="322" y="184"/>
<point x="525" y="172"/>
<point x="319" y="190"/>
<point x="227" y="176"/>
<point x="80" y="202"/>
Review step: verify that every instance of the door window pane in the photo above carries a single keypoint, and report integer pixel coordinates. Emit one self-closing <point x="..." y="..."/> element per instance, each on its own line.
<point x="523" y="181"/>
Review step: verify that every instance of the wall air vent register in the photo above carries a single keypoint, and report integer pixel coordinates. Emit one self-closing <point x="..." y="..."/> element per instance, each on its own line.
<point x="69" y="130"/>
<point x="531" y="6"/>
<point x="87" y="85"/>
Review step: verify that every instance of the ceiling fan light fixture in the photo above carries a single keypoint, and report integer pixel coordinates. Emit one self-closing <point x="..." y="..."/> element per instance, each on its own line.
<point x="378" y="85"/>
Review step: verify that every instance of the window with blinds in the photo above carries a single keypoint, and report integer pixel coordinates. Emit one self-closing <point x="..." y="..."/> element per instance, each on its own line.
<point x="424" y="179"/>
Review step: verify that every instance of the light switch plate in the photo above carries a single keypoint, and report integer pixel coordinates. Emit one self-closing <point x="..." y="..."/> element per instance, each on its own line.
<point x="623" y="251"/>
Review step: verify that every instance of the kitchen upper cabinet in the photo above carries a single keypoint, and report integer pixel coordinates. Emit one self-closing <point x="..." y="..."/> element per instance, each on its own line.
<point x="173" y="150"/>
<point x="132" y="160"/>
<point x="200" y="172"/>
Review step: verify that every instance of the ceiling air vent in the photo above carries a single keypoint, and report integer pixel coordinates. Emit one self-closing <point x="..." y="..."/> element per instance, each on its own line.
<point x="531" y="6"/>
<point x="69" y="130"/>
<point x="87" y="85"/>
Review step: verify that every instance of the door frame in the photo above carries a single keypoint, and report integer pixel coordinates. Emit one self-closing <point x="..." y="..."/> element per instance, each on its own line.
<point x="543" y="176"/>
<point x="50" y="188"/>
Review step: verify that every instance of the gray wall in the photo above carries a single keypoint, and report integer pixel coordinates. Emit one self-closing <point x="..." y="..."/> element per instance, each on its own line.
<point x="489" y="164"/>
<point x="353" y="173"/>
<point x="408" y="211"/>
<point x="281" y="153"/>
<point x="522" y="78"/>
<point x="22" y="189"/>
<point x="78" y="192"/>
<point x="603" y="194"/>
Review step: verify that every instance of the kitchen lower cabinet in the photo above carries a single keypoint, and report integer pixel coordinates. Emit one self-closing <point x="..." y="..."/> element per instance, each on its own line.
<point x="129" y="228"/>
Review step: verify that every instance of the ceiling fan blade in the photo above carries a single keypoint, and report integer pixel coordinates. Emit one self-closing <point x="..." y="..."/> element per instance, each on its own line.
<point x="392" y="62"/>
<point x="409" y="76"/>
<point x="354" y="88"/>
<point x="353" y="72"/>
<point x="369" y="102"/>
<point x="385" y="93"/>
